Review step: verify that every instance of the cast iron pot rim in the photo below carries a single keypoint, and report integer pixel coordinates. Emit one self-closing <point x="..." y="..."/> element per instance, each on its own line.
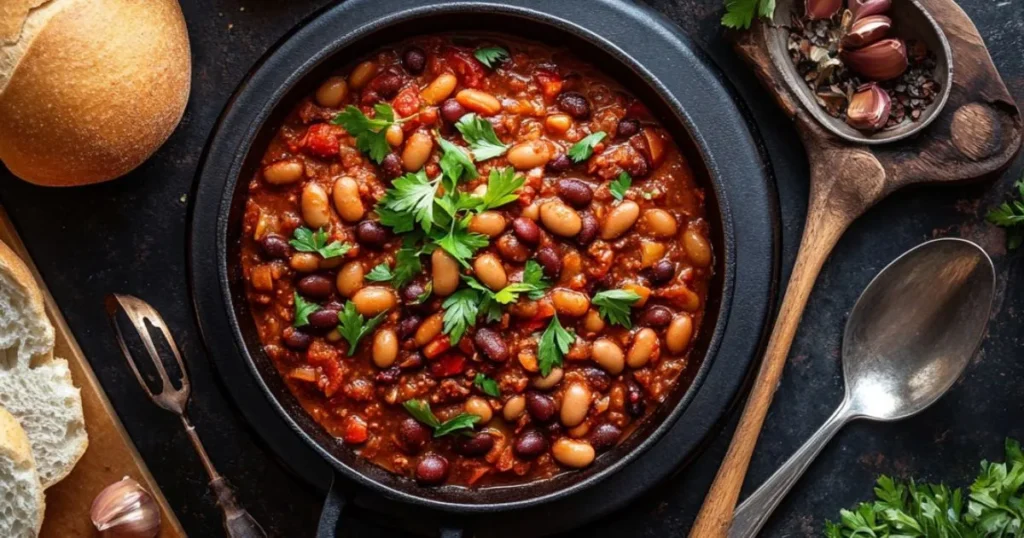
<point x="343" y="41"/>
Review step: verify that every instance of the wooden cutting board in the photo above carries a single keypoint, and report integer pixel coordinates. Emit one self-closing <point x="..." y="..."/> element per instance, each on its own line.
<point x="111" y="454"/>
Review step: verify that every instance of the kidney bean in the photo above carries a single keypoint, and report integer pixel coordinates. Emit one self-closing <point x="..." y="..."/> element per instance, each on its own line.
<point x="412" y="292"/>
<point x="392" y="166"/>
<point x="452" y="110"/>
<point x="559" y="163"/>
<point x="407" y="327"/>
<point x="387" y="84"/>
<point x="475" y="446"/>
<point x="540" y="406"/>
<point x="550" y="261"/>
<point x="634" y="399"/>
<point x="627" y="127"/>
<point x="573" y="453"/>
<point x="389" y="376"/>
<point x="661" y="272"/>
<point x="275" y="246"/>
<point x="574" y="104"/>
<point x="530" y="445"/>
<point x="656" y="317"/>
<point x="597" y="378"/>
<point x="325" y="318"/>
<point x="317" y="286"/>
<point x="605" y="436"/>
<point x="296" y="339"/>
<point x="511" y="248"/>
<point x="414" y="59"/>
<point x="412" y="436"/>
<point x="574" y="191"/>
<point x="526" y="230"/>
<point x="491" y="344"/>
<point x="371" y="233"/>
<point x="589" y="229"/>
<point x="432" y="470"/>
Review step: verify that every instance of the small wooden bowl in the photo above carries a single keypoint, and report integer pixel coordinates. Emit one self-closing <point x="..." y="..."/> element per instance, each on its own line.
<point x="910" y="22"/>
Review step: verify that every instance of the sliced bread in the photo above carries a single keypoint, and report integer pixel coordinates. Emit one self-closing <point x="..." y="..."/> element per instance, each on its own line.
<point x="34" y="386"/>
<point x="21" y="494"/>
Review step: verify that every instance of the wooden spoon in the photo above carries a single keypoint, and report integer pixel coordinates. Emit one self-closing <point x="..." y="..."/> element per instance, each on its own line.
<point x="977" y="135"/>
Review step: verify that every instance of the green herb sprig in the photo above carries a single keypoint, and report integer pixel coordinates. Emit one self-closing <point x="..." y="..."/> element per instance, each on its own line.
<point x="615" y="305"/>
<point x="739" y="14"/>
<point x="582" y="150"/>
<point x="306" y="240"/>
<point x="369" y="132"/>
<point x="554" y="344"/>
<point x="491" y="56"/>
<point x="461" y="423"/>
<point x="1010" y="215"/>
<point x="353" y="326"/>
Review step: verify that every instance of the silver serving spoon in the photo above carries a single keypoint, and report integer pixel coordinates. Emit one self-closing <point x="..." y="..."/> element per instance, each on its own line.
<point x="908" y="339"/>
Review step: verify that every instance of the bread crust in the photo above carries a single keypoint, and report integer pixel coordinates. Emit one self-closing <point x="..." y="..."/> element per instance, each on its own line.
<point x="100" y="87"/>
<point x="14" y="441"/>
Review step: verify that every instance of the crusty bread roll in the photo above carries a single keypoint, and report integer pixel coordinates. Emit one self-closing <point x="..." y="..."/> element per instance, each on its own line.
<point x="89" y="88"/>
<point x="21" y="512"/>
<point x="35" y="386"/>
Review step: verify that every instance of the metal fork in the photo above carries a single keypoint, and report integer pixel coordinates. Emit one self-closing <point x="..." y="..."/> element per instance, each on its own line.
<point x="237" y="521"/>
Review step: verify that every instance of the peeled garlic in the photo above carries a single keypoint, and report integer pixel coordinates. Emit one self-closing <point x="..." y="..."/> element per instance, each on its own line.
<point x="125" y="510"/>
<point x="869" y="108"/>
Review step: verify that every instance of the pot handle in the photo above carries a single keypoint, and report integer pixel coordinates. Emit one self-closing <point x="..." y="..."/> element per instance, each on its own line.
<point x="330" y="515"/>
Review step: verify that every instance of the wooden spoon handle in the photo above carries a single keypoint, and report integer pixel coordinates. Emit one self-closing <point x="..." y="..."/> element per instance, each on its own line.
<point x="843" y="184"/>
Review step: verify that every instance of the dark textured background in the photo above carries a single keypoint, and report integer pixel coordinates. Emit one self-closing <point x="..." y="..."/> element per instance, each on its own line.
<point x="129" y="236"/>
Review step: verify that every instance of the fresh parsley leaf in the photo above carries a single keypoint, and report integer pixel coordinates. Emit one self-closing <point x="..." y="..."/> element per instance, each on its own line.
<point x="487" y="385"/>
<point x="368" y="132"/>
<point x="461" y="243"/>
<point x="553" y="346"/>
<point x="740" y="13"/>
<point x="455" y="163"/>
<point x="488" y="305"/>
<point x="306" y="240"/>
<point x="460" y="311"/>
<point x="534" y="274"/>
<point x="491" y="56"/>
<point x="501" y="188"/>
<point x="459" y="423"/>
<point x="407" y="266"/>
<point x="582" y="150"/>
<point x="353" y="327"/>
<point x="1010" y="215"/>
<point x="614" y="306"/>
<point x="510" y="293"/>
<point x="380" y="273"/>
<point x="420" y="411"/>
<point x="303" y="309"/>
<point x="480" y="135"/>
<point x="620" y="185"/>
<point x="410" y="199"/>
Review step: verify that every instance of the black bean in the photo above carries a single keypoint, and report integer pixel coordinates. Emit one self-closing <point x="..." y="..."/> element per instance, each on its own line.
<point x="407" y="327"/>
<point x="411" y="293"/>
<point x="530" y="445"/>
<point x="371" y="233"/>
<point x="589" y="230"/>
<point x="414" y="60"/>
<point x="560" y="163"/>
<point x="540" y="406"/>
<point x="661" y="272"/>
<point x="389" y="376"/>
<point x="627" y="127"/>
<point x="432" y="470"/>
<point x="491" y="344"/>
<point x="574" y="104"/>
<point x="550" y="261"/>
<point x="325" y="318"/>
<point x="634" y="399"/>
<point x="391" y="166"/>
<point x="576" y="192"/>
<point x="412" y="436"/>
<point x="275" y="246"/>
<point x="605" y="436"/>
<point x="512" y="249"/>
<point x="452" y="110"/>
<point x="526" y="230"/>
<point x="477" y="445"/>
<point x="656" y="317"/>
<point x="296" y="339"/>
<point x="387" y="84"/>
<point x="317" y="286"/>
<point x="597" y="378"/>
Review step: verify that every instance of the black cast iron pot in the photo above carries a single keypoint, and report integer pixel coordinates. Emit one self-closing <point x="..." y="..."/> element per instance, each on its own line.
<point x="645" y="53"/>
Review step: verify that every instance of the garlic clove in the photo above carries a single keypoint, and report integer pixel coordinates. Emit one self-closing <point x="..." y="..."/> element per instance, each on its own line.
<point x="881" y="60"/>
<point x="867" y="31"/>
<point x="869" y="108"/>
<point x="867" y="8"/>
<point x="125" y="510"/>
<point x="823" y="9"/>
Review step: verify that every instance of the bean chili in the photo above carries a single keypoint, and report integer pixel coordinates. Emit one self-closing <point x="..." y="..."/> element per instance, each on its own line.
<point x="476" y="260"/>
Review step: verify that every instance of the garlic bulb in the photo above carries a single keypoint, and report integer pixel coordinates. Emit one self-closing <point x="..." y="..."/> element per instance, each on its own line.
<point x="125" y="510"/>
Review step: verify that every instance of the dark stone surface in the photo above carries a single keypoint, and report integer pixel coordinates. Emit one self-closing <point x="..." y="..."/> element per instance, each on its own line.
<point x="129" y="236"/>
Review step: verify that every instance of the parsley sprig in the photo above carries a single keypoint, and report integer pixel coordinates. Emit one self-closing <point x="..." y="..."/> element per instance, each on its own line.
<point x="353" y="326"/>
<point x="491" y="56"/>
<point x="487" y="385"/>
<point x="480" y="135"/>
<point x="614" y="306"/>
<point x="740" y="13"/>
<point x="1010" y="215"/>
<point x="554" y="344"/>
<point x="582" y="150"/>
<point x="303" y="309"/>
<point x="368" y="132"/>
<point x="408" y="202"/>
<point x="620" y="185"/>
<point x="455" y="163"/>
<point x="502" y="185"/>
<point x="461" y="423"/>
<point x="460" y="312"/>
<point x="306" y="240"/>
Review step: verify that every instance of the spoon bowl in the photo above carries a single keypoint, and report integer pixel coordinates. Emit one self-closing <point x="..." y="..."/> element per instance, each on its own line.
<point x="909" y="337"/>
